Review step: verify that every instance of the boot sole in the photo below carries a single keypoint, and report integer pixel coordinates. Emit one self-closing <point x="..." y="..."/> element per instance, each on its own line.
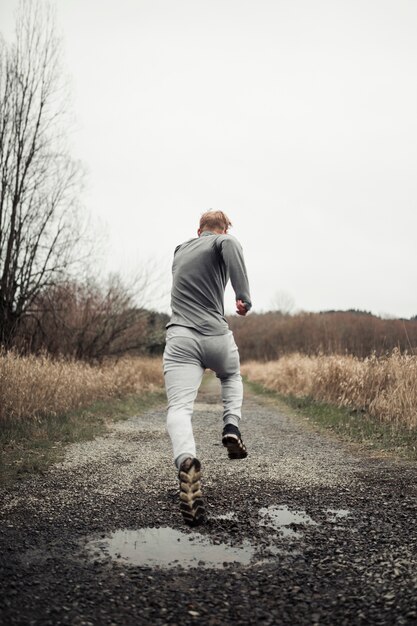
<point x="236" y="449"/>
<point x="192" y="504"/>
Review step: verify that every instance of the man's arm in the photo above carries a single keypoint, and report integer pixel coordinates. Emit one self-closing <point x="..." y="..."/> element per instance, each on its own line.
<point x="232" y="255"/>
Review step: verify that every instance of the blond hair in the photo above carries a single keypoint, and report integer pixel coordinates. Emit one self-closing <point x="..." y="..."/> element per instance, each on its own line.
<point x="214" y="220"/>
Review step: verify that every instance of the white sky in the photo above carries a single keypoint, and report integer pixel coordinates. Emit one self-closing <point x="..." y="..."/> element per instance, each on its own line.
<point x="296" y="117"/>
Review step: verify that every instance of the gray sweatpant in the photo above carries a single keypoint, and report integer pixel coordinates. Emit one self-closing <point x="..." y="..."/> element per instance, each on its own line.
<point x="187" y="354"/>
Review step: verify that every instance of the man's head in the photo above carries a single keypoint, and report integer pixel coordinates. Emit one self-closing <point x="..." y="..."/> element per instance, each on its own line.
<point x="214" y="221"/>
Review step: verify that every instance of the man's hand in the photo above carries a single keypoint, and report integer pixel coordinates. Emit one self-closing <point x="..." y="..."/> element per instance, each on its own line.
<point x="241" y="308"/>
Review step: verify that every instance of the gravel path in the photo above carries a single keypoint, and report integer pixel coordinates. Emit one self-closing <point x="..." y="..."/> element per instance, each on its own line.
<point x="303" y="531"/>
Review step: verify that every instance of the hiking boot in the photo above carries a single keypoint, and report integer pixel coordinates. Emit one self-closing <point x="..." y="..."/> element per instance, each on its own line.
<point x="192" y="505"/>
<point x="232" y="440"/>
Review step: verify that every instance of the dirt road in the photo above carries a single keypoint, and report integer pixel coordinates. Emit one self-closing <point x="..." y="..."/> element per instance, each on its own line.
<point x="303" y="531"/>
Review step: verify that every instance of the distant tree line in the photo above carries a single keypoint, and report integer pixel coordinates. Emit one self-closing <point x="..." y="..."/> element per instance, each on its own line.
<point x="268" y="336"/>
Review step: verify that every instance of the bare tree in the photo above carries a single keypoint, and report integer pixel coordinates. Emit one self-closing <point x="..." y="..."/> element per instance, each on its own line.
<point x="92" y="320"/>
<point x="39" y="181"/>
<point x="283" y="302"/>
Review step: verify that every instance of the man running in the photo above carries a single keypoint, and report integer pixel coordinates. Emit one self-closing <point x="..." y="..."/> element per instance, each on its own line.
<point x="198" y="337"/>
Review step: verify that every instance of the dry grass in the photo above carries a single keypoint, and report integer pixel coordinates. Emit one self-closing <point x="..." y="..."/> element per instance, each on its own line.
<point x="384" y="387"/>
<point x="36" y="387"/>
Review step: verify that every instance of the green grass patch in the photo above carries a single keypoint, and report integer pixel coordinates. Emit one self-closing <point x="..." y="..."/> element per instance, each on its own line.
<point x="32" y="446"/>
<point x="349" y="424"/>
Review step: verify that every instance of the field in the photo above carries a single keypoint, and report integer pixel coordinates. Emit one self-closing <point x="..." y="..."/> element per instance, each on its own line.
<point x="46" y="403"/>
<point x="382" y="387"/>
<point x="36" y="387"/>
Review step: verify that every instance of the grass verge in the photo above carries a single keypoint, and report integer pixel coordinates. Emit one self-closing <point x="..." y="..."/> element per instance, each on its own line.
<point x="350" y="425"/>
<point x="32" y="446"/>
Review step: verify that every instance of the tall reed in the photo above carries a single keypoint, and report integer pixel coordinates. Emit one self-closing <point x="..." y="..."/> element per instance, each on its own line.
<point x="384" y="387"/>
<point x="32" y="387"/>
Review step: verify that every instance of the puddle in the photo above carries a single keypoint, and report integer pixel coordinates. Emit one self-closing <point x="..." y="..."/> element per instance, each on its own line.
<point x="281" y="518"/>
<point x="337" y="514"/>
<point x="167" y="548"/>
<point x="337" y="517"/>
<point x="225" y="516"/>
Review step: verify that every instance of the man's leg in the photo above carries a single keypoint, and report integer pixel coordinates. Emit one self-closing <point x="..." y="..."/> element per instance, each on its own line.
<point x="183" y="372"/>
<point x="182" y="381"/>
<point x="223" y="357"/>
<point x="232" y="397"/>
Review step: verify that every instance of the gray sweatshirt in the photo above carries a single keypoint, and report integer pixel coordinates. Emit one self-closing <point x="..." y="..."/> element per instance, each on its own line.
<point x="200" y="272"/>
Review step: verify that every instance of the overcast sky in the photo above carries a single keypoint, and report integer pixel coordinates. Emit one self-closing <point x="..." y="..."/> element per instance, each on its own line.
<point x="298" y="118"/>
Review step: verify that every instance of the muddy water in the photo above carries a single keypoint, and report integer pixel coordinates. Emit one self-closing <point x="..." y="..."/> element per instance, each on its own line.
<point x="337" y="514"/>
<point x="281" y="518"/>
<point x="167" y="547"/>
